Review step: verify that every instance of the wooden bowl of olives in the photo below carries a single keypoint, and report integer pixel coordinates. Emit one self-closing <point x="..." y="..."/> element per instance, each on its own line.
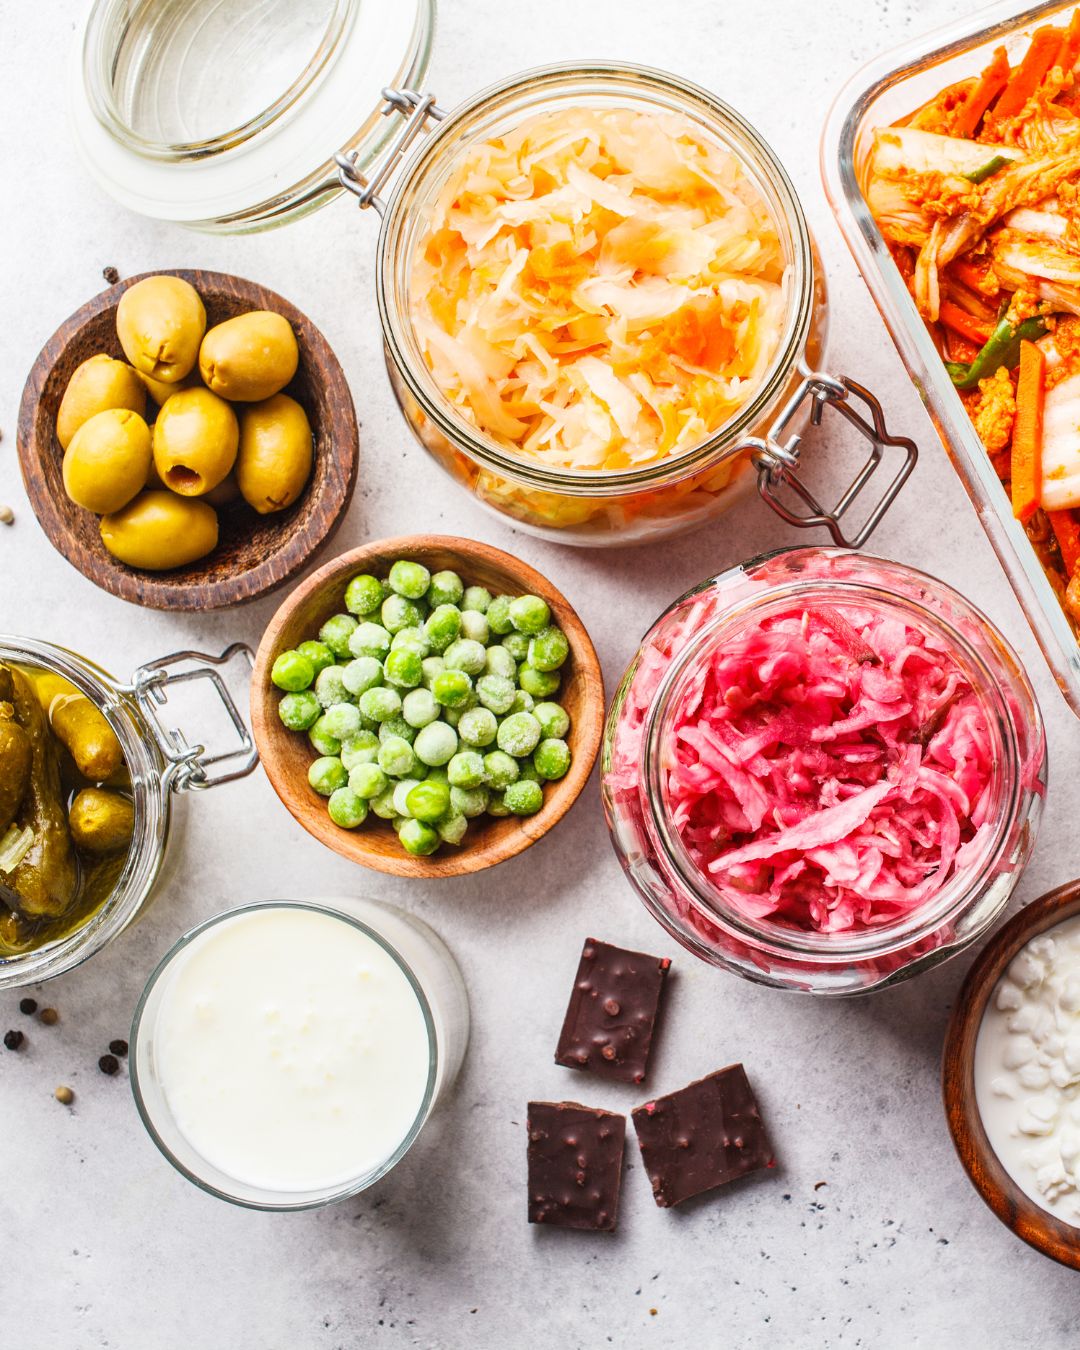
<point x="188" y="440"/>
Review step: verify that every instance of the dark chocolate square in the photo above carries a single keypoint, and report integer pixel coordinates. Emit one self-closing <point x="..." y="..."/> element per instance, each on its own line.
<point x="575" y="1165"/>
<point x="612" y="1013"/>
<point x="702" y="1136"/>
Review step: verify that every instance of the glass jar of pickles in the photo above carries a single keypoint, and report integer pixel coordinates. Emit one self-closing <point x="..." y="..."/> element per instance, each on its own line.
<point x="87" y="772"/>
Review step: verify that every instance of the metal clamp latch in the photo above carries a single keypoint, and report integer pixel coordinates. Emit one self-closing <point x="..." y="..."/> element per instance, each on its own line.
<point x="189" y="766"/>
<point x="776" y="458"/>
<point x="416" y="108"/>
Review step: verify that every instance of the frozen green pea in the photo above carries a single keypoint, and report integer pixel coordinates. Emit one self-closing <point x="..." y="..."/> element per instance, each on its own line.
<point x="410" y="579"/>
<point x="368" y="781"/>
<point x="477" y="726"/>
<point x="347" y="808"/>
<point x="436" y="743"/>
<point x="363" y="748"/>
<point x="451" y="688"/>
<point x="292" y="672"/>
<point x="498" y="661"/>
<point x="469" y="802"/>
<point x="452" y="828"/>
<point x="364" y="594"/>
<point x="398" y="613"/>
<point x="396" y="757"/>
<point x="442" y="626"/>
<point x="554" y="721"/>
<point x="383" y="805"/>
<point x="496" y="693"/>
<point x="336" y="632"/>
<point x="465" y="655"/>
<point x="414" y="639"/>
<point x="446" y="589"/>
<point x="452" y="716"/>
<point x="552" y="758"/>
<point x="523" y="798"/>
<point x="548" y="649"/>
<point x="476" y="598"/>
<point x="501" y="769"/>
<point x="436" y="773"/>
<point x="397" y="726"/>
<point x="498" y="615"/>
<point x="474" y="627"/>
<point x="403" y="668"/>
<point x="326" y="774"/>
<point x="342" y="720"/>
<point x="418" y="707"/>
<point x="318" y="653"/>
<point x="539" y="683"/>
<point x="428" y="801"/>
<point x="497" y="805"/>
<point x="299" y="711"/>
<point x="529" y="614"/>
<point x="418" y="839"/>
<point x="523" y="702"/>
<point x="330" y="686"/>
<point x="466" y="769"/>
<point x="380" y="703"/>
<point x="518" y="734"/>
<point x="362" y="674"/>
<point x="401" y="793"/>
<point x="370" y="639"/>
<point x="321" y="740"/>
<point x="431" y="666"/>
<point x="527" y="769"/>
<point x="517" y="644"/>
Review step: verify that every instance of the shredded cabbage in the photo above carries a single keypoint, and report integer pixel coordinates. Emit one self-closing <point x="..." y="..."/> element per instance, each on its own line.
<point x="599" y="288"/>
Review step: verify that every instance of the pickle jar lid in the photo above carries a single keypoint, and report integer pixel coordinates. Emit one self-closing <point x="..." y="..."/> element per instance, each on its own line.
<point x="225" y="115"/>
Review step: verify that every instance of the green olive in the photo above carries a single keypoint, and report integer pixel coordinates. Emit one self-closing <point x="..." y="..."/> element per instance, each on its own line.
<point x="159" y="530"/>
<point x="97" y="385"/>
<point x="226" y="492"/>
<point x="195" y="441"/>
<point x="249" y="358"/>
<point x="275" y="453"/>
<point x="160" y="322"/>
<point x="107" y="461"/>
<point x="159" y="390"/>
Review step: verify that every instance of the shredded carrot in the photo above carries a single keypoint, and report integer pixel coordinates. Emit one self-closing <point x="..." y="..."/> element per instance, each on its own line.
<point x="1067" y="533"/>
<point x="1029" y="74"/>
<point x="1027" y="432"/>
<point x="1069" y="51"/>
<point x="967" y="325"/>
<point x="973" y="276"/>
<point x="990" y="83"/>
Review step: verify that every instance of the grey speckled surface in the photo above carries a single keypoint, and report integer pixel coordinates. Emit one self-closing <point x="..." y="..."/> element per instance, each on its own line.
<point x="104" y="1246"/>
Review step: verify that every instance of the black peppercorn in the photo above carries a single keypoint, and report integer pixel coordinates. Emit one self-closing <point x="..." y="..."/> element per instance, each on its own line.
<point x="108" y="1064"/>
<point x="118" y="1047"/>
<point x="28" y="1006"/>
<point x="13" y="1039"/>
<point x="111" y="275"/>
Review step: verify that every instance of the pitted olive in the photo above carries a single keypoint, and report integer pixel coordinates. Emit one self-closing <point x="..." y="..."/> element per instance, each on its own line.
<point x="160" y="322"/>
<point x="97" y="385"/>
<point x="108" y="460"/>
<point x="195" y="441"/>
<point x="159" y="530"/>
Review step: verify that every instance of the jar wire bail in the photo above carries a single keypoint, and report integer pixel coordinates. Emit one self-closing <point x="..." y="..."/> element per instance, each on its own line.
<point x="416" y="109"/>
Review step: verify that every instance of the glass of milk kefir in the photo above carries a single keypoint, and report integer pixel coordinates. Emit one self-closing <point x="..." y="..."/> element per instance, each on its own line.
<point x="287" y="1054"/>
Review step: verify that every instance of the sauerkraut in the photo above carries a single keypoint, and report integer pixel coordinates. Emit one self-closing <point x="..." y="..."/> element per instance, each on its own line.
<point x="599" y="289"/>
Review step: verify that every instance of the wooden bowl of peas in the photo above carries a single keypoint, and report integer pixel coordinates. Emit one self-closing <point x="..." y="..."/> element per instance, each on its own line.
<point x="427" y="739"/>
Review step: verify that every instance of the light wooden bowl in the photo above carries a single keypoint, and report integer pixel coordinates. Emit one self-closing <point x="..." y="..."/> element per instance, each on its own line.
<point x="255" y="554"/>
<point x="1016" y="1210"/>
<point x="286" y="754"/>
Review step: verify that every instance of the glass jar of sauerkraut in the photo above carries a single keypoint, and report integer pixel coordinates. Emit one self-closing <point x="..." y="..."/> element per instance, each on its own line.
<point x="824" y="771"/>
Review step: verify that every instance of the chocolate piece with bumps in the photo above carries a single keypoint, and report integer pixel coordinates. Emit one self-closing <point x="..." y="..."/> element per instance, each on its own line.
<point x="575" y="1165"/>
<point x="612" y="1013"/>
<point x="705" y="1135"/>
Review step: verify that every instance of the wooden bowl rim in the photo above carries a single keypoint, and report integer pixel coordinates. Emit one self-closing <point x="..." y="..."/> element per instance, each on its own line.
<point x="586" y="734"/>
<point x="156" y="589"/>
<point x="1017" y="1211"/>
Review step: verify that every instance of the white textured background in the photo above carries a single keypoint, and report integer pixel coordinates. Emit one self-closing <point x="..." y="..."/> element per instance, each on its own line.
<point x="103" y="1245"/>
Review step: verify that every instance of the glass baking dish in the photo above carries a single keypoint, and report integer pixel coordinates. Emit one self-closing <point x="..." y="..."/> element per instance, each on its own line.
<point x="888" y="88"/>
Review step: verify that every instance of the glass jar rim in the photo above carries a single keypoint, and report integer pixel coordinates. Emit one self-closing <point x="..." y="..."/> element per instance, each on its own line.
<point x="151" y="803"/>
<point x="781" y="200"/>
<point x="318" y="1198"/>
<point x="950" y="902"/>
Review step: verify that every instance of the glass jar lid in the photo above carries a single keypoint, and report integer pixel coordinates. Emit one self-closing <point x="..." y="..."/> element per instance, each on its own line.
<point x="226" y="115"/>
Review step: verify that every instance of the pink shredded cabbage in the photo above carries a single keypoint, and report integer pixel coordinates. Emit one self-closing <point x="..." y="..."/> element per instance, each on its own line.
<point x="829" y="767"/>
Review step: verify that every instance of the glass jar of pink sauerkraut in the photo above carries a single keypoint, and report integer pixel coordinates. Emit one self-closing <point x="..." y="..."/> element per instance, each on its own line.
<point x="824" y="771"/>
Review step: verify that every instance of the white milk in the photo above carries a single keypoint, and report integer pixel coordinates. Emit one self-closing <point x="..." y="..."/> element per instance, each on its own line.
<point x="291" y="1048"/>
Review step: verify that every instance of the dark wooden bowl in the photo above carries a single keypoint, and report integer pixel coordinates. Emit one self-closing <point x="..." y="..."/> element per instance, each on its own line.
<point x="286" y="754"/>
<point x="255" y="554"/>
<point x="1016" y="1210"/>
